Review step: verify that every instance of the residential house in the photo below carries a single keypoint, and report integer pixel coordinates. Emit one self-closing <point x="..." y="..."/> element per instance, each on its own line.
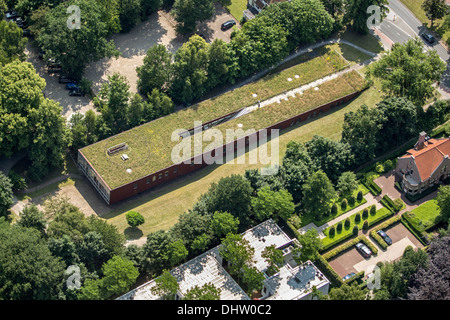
<point x="424" y="166"/>
<point x="291" y="282"/>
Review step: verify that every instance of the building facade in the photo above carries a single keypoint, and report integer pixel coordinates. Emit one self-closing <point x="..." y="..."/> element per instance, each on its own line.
<point x="424" y="166"/>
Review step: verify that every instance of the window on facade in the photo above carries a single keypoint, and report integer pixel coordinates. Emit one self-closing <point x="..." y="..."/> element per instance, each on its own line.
<point x="166" y="173"/>
<point x="154" y="178"/>
<point x="175" y="170"/>
<point x="135" y="186"/>
<point x="160" y="176"/>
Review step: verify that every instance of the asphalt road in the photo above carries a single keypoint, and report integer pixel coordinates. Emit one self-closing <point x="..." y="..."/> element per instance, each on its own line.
<point x="401" y="25"/>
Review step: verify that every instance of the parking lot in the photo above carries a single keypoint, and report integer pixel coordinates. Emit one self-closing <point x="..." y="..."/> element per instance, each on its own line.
<point x="352" y="261"/>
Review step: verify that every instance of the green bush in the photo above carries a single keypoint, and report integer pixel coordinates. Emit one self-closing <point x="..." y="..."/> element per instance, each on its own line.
<point x="322" y="264"/>
<point x="357" y="217"/>
<point x="379" y="168"/>
<point x="344" y="204"/>
<point x="365" y="225"/>
<point x="331" y="231"/>
<point x="365" y="213"/>
<point x="339" y="226"/>
<point x="334" y="208"/>
<point x="134" y="219"/>
<point x="296" y="221"/>
<point x="359" y="196"/>
<point x="373" y="210"/>
<point x="355" y="230"/>
<point x="347" y="223"/>
<point x="388" y="165"/>
<point x="351" y="200"/>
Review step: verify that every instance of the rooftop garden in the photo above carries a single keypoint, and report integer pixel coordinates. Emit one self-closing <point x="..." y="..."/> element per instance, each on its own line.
<point x="150" y="145"/>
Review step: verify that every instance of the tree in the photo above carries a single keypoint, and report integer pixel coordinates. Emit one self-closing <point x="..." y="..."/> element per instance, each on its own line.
<point x="360" y="131"/>
<point x="190" y="226"/>
<point x="155" y="71"/>
<point x="92" y="251"/>
<point x="396" y="275"/>
<point x="75" y="48"/>
<point x="155" y="256"/>
<point x="253" y="278"/>
<point x="64" y="248"/>
<point x="119" y="275"/>
<point x="29" y="270"/>
<point x="189" y="74"/>
<point x="12" y="42"/>
<point x="346" y="184"/>
<point x="332" y="157"/>
<point x="6" y="195"/>
<point x="231" y="194"/>
<point x="32" y="217"/>
<point x="218" y="61"/>
<point x="274" y="257"/>
<point x="356" y="13"/>
<point x="434" y="10"/>
<point x="318" y="195"/>
<point x="310" y="244"/>
<point x="274" y="204"/>
<point x="347" y="292"/>
<point x="409" y="71"/>
<point x="224" y="223"/>
<point x="237" y="252"/>
<point x="206" y="292"/>
<point x="134" y="219"/>
<point x="113" y="240"/>
<point x="443" y="201"/>
<point x="166" y="286"/>
<point x="188" y="12"/>
<point x="129" y="14"/>
<point x="114" y="96"/>
<point x="431" y="282"/>
<point x="92" y="289"/>
<point x="176" y="253"/>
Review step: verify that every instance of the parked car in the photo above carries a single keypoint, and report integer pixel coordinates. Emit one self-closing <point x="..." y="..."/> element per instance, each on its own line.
<point x="52" y="63"/>
<point x="363" y="249"/>
<point x="428" y="37"/>
<point x="65" y="79"/>
<point x="227" y="25"/>
<point x="10" y="14"/>
<point x="76" y="92"/>
<point x="385" y="237"/>
<point x="72" y="86"/>
<point x="18" y="21"/>
<point x="348" y="276"/>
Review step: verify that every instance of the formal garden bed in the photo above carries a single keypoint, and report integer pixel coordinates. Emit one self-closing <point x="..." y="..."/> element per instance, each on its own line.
<point x="349" y="227"/>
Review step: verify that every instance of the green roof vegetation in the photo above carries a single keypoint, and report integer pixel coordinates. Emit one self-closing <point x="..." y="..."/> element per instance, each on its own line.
<point x="150" y="146"/>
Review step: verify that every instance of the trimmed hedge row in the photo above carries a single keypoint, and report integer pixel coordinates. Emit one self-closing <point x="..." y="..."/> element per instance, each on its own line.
<point x="379" y="218"/>
<point x="414" y="231"/>
<point x="332" y="253"/>
<point x="372" y="186"/>
<point x="390" y="204"/>
<point x="384" y="225"/>
<point x="357" y="277"/>
<point x="328" y="271"/>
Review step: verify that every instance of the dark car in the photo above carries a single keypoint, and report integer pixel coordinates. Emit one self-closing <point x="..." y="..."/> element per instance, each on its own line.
<point x="385" y="237"/>
<point x="428" y="37"/>
<point x="72" y="86"/>
<point x="65" y="79"/>
<point x="53" y="64"/>
<point x="76" y="92"/>
<point x="18" y="21"/>
<point x="364" y="250"/>
<point x="348" y="276"/>
<point x="10" y="14"/>
<point x="227" y="25"/>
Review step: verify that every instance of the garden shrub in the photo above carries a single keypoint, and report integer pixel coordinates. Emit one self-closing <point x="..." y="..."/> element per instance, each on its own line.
<point x="351" y="200"/>
<point x="332" y="231"/>
<point x="373" y="210"/>
<point x="359" y="196"/>
<point x="334" y="208"/>
<point x="357" y="218"/>
<point x="365" y="225"/>
<point x="339" y="226"/>
<point x="355" y="230"/>
<point x="365" y="213"/>
<point x="347" y="223"/>
<point x="296" y="221"/>
<point x="344" y="204"/>
<point x="379" y="168"/>
<point x="388" y="165"/>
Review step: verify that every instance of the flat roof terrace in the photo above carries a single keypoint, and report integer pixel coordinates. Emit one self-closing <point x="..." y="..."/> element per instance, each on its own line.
<point x="149" y="146"/>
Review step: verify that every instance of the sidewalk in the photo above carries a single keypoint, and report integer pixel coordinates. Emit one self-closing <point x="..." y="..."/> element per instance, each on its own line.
<point x="371" y="200"/>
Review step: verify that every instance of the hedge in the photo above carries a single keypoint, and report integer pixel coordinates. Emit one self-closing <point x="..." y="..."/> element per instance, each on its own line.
<point x="372" y="186"/>
<point x="332" y="253"/>
<point x="357" y="277"/>
<point x="381" y="217"/>
<point x="389" y="203"/>
<point x="414" y="231"/>
<point x="322" y="264"/>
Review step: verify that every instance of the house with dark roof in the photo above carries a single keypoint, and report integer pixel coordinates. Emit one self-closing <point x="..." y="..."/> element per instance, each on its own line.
<point x="256" y="6"/>
<point x="424" y="166"/>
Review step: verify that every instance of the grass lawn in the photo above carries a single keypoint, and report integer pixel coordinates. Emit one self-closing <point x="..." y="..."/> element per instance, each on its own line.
<point x="424" y="216"/>
<point x="346" y="232"/>
<point x="236" y="7"/>
<point x="368" y="41"/>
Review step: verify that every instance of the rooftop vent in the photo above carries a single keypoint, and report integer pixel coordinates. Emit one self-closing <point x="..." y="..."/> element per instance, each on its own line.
<point x="124" y="157"/>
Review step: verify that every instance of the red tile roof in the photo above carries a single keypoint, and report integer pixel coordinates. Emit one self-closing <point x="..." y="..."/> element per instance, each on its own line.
<point x="430" y="156"/>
